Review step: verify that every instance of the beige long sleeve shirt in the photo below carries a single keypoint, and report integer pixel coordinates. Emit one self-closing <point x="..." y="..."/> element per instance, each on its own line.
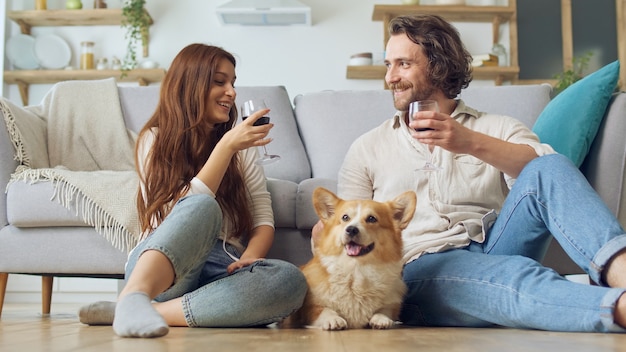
<point x="455" y="205"/>
<point x="254" y="177"/>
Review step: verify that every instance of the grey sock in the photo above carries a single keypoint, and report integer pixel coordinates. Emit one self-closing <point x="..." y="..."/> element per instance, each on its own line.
<point x="135" y="317"/>
<point x="97" y="313"/>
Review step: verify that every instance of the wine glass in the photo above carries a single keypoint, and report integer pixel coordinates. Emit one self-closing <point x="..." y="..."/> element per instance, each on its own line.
<point x="248" y="108"/>
<point x="425" y="105"/>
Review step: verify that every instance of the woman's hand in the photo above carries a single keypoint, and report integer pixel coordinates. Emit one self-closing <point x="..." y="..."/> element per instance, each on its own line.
<point x="245" y="135"/>
<point x="242" y="263"/>
<point x="259" y="244"/>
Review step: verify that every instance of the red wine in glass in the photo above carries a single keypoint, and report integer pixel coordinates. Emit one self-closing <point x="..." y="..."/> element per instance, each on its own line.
<point x="424" y="105"/>
<point x="248" y="108"/>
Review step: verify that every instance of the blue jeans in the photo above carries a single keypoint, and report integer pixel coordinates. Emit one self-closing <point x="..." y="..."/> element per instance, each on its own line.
<point x="500" y="281"/>
<point x="259" y="294"/>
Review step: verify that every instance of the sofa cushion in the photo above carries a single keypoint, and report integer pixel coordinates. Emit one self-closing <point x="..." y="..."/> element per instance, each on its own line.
<point x="571" y="120"/>
<point x="32" y="205"/>
<point x="305" y="212"/>
<point x="59" y="250"/>
<point x="139" y="103"/>
<point x="331" y="120"/>
<point x="294" y="162"/>
<point x="33" y="128"/>
<point x="523" y="102"/>
<point x="283" y="195"/>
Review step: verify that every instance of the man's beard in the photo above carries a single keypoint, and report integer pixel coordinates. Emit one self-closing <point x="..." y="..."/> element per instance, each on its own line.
<point x="421" y="94"/>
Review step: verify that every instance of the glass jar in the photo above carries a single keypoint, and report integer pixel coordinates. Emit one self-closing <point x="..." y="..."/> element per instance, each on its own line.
<point x="41" y="4"/>
<point x="102" y="64"/>
<point x="500" y="51"/>
<point x="86" y="56"/>
<point x="116" y="64"/>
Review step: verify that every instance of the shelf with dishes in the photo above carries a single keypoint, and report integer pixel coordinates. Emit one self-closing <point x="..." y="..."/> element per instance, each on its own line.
<point x="23" y="78"/>
<point x="43" y="59"/>
<point x="499" y="74"/>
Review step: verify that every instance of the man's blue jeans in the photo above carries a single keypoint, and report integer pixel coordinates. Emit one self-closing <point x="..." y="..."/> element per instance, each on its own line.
<point x="259" y="294"/>
<point x="500" y="281"/>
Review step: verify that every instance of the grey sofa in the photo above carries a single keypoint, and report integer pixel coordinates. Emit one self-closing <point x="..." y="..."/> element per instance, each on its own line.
<point x="312" y="134"/>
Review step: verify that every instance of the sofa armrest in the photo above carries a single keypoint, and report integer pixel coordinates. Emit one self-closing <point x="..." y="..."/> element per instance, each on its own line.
<point x="305" y="213"/>
<point x="605" y="164"/>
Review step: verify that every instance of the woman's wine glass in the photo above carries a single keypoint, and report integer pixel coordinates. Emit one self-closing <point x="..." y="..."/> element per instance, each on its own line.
<point x="248" y="108"/>
<point x="425" y="105"/>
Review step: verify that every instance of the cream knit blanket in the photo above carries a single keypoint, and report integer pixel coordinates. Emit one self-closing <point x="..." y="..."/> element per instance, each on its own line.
<point x="76" y="138"/>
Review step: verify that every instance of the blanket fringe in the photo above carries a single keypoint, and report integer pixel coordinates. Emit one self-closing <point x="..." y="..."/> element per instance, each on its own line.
<point x="14" y="133"/>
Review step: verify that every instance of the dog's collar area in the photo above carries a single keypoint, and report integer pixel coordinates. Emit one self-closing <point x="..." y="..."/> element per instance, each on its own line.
<point x="354" y="249"/>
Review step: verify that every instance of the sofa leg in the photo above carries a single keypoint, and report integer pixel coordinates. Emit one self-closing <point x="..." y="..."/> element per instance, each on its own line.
<point x="4" y="277"/>
<point x="46" y="294"/>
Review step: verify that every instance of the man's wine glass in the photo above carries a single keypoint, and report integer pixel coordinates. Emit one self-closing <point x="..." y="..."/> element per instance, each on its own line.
<point x="248" y="108"/>
<point x="425" y="105"/>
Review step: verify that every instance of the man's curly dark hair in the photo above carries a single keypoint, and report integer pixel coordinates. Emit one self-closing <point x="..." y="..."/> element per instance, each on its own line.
<point x="449" y="62"/>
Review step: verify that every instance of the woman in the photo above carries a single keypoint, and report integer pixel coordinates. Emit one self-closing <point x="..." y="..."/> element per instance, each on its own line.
<point x="205" y="210"/>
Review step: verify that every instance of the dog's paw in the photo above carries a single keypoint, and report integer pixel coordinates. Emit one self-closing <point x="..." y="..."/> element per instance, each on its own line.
<point x="334" y="323"/>
<point x="380" y="321"/>
<point x="330" y="320"/>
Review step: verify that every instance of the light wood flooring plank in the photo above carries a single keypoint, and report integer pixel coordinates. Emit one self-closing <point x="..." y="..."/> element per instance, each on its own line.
<point x="22" y="328"/>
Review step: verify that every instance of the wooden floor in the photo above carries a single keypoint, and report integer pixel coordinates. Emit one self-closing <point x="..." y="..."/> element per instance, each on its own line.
<point x="22" y="328"/>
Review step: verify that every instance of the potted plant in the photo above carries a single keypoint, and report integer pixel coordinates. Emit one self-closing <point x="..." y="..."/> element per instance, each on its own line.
<point x="571" y="76"/>
<point x="137" y="22"/>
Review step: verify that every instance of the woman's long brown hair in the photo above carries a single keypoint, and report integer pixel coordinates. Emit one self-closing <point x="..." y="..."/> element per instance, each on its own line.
<point x="184" y="141"/>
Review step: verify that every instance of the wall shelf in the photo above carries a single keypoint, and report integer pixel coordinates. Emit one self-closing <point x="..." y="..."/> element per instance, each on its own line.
<point x="87" y="17"/>
<point x="24" y="78"/>
<point x="453" y="13"/>
<point x="83" y="17"/>
<point x="496" y="15"/>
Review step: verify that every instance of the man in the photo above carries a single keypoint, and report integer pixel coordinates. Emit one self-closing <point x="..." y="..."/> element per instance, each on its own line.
<point x="485" y="217"/>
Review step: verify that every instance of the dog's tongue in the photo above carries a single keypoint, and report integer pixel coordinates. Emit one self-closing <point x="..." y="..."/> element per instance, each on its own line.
<point x="353" y="249"/>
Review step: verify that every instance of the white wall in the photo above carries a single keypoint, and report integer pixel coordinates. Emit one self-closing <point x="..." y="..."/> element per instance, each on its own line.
<point x="303" y="59"/>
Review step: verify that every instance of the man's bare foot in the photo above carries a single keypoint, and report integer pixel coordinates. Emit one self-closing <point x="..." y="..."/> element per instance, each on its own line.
<point x="619" y="316"/>
<point x="615" y="273"/>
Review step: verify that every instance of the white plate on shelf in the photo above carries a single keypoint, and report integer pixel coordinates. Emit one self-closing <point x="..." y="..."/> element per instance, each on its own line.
<point x="21" y="52"/>
<point x="52" y="51"/>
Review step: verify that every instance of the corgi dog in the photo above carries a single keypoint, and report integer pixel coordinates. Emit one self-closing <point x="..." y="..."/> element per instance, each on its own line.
<point x="355" y="275"/>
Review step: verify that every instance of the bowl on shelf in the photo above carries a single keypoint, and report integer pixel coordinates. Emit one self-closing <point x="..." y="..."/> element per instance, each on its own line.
<point x="148" y="64"/>
<point x="361" y="59"/>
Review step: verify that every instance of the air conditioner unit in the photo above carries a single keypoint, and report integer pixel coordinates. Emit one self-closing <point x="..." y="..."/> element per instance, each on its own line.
<point x="264" y="13"/>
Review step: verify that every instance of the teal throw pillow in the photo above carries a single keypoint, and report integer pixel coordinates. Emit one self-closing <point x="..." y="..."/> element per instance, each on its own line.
<point x="570" y="122"/>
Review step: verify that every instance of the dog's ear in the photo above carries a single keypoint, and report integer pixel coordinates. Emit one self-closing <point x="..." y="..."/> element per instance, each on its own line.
<point x="403" y="208"/>
<point x="324" y="202"/>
